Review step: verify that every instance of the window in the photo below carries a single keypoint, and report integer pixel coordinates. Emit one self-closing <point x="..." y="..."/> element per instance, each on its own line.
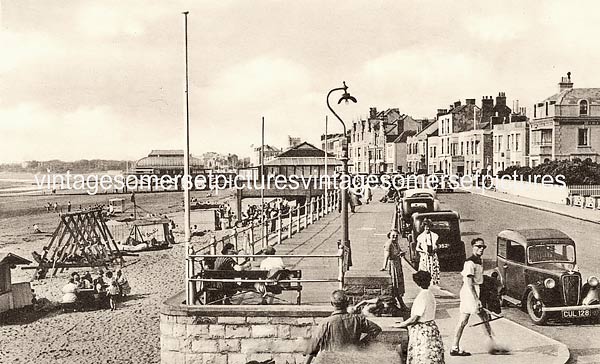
<point x="546" y="136"/>
<point x="517" y="137"/>
<point x="499" y="142"/>
<point x="583" y="107"/>
<point x="534" y="111"/>
<point x="546" y="108"/>
<point x="508" y="142"/>
<point x="583" y="138"/>
<point x="462" y="151"/>
<point x="515" y="252"/>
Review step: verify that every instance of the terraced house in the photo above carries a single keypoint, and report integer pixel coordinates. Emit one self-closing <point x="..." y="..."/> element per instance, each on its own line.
<point x="368" y="139"/>
<point x="566" y="125"/>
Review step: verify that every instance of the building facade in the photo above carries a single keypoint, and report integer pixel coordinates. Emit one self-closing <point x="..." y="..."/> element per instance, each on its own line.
<point x="270" y="153"/>
<point x="511" y="145"/>
<point x="368" y="139"/>
<point x="566" y="125"/>
<point x="417" y="148"/>
<point x="334" y="145"/>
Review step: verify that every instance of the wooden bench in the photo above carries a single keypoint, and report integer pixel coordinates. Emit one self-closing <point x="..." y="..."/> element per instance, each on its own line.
<point x="245" y="281"/>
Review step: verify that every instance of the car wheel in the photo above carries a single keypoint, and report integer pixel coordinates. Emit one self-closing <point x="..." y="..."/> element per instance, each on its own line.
<point x="534" y="309"/>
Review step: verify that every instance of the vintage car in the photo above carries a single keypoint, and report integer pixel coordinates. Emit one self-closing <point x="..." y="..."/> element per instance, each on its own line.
<point x="412" y="201"/>
<point x="538" y="272"/>
<point x="420" y="192"/>
<point x="451" y="249"/>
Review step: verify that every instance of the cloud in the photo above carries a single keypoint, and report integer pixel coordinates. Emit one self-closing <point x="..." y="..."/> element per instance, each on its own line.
<point x="422" y="78"/>
<point x="32" y="132"/>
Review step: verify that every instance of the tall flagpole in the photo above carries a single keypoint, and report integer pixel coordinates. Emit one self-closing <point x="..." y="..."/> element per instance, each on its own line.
<point x="186" y="173"/>
<point x="262" y="183"/>
<point x="326" y="172"/>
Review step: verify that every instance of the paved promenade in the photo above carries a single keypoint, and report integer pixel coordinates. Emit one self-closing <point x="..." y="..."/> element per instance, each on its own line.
<point x="368" y="229"/>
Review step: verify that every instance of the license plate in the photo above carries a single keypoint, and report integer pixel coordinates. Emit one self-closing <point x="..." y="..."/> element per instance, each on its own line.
<point x="577" y="314"/>
<point x="443" y="246"/>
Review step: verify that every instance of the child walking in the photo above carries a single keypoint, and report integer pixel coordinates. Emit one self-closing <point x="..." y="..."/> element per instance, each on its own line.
<point x="112" y="292"/>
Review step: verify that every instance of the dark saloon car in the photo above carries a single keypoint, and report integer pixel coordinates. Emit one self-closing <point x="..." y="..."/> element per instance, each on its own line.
<point x="451" y="249"/>
<point x="537" y="269"/>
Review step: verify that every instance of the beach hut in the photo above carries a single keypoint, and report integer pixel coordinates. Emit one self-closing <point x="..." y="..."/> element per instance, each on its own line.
<point x="13" y="295"/>
<point x="118" y="204"/>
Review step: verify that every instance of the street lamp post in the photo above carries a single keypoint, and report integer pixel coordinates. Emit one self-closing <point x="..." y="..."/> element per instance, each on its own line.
<point x="345" y="238"/>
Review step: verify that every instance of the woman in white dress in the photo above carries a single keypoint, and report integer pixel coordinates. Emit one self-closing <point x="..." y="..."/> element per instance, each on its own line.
<point x="427" y="248"/>
<point x="425" y="343"/>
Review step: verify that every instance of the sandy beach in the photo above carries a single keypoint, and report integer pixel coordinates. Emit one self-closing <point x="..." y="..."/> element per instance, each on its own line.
<point x="128" y="335"/>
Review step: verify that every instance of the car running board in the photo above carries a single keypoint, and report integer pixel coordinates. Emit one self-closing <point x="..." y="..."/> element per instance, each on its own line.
<point x="512" y="301"/>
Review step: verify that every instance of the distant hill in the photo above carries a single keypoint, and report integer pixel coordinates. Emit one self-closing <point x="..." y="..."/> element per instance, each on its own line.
<point x="58" y="166"/>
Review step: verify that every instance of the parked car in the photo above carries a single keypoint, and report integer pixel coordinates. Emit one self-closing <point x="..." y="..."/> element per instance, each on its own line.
<point x="451" y="249"/>
<point x="443" y="183"/>
<point x="411" y="205"/>
<point x="538" y="272"/>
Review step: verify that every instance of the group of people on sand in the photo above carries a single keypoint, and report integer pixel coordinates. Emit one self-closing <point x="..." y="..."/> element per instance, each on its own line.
<point x="82" y="289"/>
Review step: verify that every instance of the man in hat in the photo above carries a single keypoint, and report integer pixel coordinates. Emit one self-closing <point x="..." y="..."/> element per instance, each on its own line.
<point x="341" y="330"/>
<point x="469" y="300"/>
<point x="226" y="262"/>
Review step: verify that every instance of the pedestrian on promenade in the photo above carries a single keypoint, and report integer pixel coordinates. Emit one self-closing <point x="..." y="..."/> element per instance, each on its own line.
<point x="425" y="343"/>
<point x="341" y="330"/>
<point x="427" y="248"/>
<point x="469" y="300"/>
<point x="368" y="193"/>
<point x="392" y="262"/>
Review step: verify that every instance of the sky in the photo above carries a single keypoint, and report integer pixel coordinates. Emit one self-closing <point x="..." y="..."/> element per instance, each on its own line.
<point x="105" y="79"/>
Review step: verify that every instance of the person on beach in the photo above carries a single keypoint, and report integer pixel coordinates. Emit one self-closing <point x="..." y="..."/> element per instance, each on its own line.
<point x="392" y="262"/>
<point x="425" y="343"/>
<point x="112" y="291"/>
<point x="427" y="248"/>
<point x="470" y="304"/>
<point x="341" y="330"/>
<point x="123" y="283"/>
<point x="70" y="291"/>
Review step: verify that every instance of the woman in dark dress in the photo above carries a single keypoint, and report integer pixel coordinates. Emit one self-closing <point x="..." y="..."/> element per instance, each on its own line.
<point x="392" y="261"/>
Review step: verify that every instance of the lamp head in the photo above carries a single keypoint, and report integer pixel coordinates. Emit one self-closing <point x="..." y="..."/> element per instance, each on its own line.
<point x="346" y="96"/>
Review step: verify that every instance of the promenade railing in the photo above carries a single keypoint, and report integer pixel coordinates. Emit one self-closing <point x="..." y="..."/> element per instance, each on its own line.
<point x="269" y="231"/>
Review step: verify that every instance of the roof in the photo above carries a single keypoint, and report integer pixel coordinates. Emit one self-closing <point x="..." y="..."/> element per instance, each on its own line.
<point x="435" y="215"/>
<point x="166" y="152"/>
<point x="166" y="162"/>
<point x="533" y="235"/>
<point x="303" y="161"/>
<point x="12" y="259"/>
<point x="572" y="96"/>
<point x="404" y="135"/>
<point x="429" y="129"/>
<point x="303" y="150"/>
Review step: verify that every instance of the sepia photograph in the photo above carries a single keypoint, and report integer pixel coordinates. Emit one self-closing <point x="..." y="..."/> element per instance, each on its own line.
<point x="307" y="182"/>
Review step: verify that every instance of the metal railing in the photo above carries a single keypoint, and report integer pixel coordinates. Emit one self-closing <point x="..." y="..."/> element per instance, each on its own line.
<point x="271" y="231"/>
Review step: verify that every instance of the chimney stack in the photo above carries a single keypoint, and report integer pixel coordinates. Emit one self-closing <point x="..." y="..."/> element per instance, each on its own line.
<point x="373" y="113"/>
<point x="470" y="101"/>
<point x="565" y="83"/>
<point x="501" y="99"/>
<point x="457" y="104"/>
<point x="487" y="108"/>
<point x="441" y="112"/>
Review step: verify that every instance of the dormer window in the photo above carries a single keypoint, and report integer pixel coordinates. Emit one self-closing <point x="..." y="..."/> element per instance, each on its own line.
<point x="583" y="107"/>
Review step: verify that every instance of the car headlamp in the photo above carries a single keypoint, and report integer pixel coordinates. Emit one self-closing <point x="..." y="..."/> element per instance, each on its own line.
<point x="593" y="281"/>
<point x="549" y="283"/>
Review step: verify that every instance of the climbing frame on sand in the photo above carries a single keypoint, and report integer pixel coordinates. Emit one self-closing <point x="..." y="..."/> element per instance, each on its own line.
<point x="81" y="239"/>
